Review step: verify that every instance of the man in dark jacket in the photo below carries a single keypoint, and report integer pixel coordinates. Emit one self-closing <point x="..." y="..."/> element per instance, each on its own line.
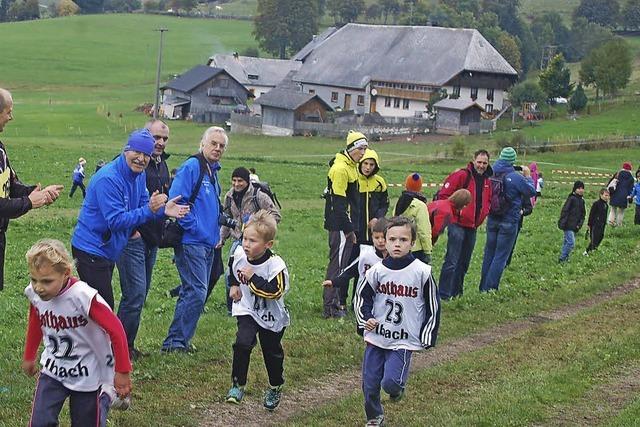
<point x="571" y="219"/>
<point x="462" y="231"/>
<point x="597" y="221"/>
<point x="341" y="213"/>
<point x="620" y="193"/>
<point x="16" y="199"/>
<point x="136" y="263"/>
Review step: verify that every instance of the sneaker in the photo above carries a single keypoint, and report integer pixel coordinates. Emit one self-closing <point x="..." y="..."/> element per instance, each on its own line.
<point x="235" y="394"/>
<point x="272" y="398"/>
<point x="377" y="421"/>
<point x="116" y="402"/>
<point x="585" y="253"/>
<point x="396" y="397"/>
<point x="135" y="354"/>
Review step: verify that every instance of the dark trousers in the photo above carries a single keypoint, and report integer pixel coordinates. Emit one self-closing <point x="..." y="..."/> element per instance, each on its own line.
<point x="343" y="292"/>
<point x="86" y="408"/>
<point x="76" y="185"/>
<point x="636" y="218"/>
<point x="596" y="235"/>
<point x="460" y="244"/>
<point x="339" y="255"/>
<point x="3" y="244"/>
<point x="272" y="351"/>
<point x="384" y="368"/>
<point x="96" y="271"/>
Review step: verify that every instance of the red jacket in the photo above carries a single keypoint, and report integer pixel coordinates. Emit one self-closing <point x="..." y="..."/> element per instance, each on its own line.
<point x="441" y="214"/>
<point x="457" y="180"/>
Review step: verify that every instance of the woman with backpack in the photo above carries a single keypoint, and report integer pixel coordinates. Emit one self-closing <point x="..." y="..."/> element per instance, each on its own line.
<point x="508" y="189"/>
<point x="620" y="188"/>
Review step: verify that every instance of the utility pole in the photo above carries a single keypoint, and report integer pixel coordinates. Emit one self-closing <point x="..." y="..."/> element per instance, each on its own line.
<point x="156" y="106"/>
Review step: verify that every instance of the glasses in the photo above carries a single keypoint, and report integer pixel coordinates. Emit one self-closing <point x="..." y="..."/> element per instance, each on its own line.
<point x="158" y="137"/>
<point x="221" y="145"/>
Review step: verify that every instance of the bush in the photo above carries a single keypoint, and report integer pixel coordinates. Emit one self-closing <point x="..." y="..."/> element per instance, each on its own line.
<point x="518" y="141"/>
<point x="251" y="51"/>
<point x="502" y="142"/>
<point x="459" y="149"/>
<point x="66" y="8"/>
<point x="122" y="6"/>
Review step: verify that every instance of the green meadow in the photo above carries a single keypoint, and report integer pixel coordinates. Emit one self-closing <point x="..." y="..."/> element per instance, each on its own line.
<point x="76" y="82"/>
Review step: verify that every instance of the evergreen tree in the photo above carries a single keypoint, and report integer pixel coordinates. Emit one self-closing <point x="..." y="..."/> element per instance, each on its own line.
<point x="578" y="100"/>
<point x="603" y="12"/>
<point x="631" y="15"/>
<point x="555" y="80"/>
<point x="345" y="11"/>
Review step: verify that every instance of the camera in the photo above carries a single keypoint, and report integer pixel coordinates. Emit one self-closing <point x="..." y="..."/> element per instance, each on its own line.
<point x="226" y="220"/>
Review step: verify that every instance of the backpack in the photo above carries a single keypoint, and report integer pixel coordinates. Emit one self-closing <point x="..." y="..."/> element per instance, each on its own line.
<point x="266" y="189"/>
<point x="499" y="203"/>
<point x="465" y="186"/>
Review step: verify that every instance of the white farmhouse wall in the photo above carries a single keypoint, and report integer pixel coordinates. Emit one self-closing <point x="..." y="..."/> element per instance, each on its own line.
<point x="325" y="93"/>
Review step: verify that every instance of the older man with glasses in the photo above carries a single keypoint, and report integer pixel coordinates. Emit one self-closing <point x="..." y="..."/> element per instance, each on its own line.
<point x="117" y="203"/>
<point x="136" y="263"/>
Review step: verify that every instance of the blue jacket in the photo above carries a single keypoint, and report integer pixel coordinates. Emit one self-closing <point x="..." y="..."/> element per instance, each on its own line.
<point x="117" y="202"/>
<point x="78" y="174"/>
<point x="516" y="187"/>
<point x="636" y="193"/>
<point x="201" y="223"/>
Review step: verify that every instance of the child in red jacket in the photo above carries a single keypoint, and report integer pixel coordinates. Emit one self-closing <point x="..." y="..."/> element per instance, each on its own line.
<point x="442" y="212"/>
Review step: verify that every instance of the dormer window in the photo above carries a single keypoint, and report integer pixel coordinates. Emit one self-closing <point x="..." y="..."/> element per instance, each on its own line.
<point x="252" y="76"/>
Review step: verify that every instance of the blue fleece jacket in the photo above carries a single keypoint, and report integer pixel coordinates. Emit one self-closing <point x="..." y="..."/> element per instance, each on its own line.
<point x="201" y="223"/>
<point x="516" y="187"/>
<point x="117" y="202"/>
<point x="635" y="193"/>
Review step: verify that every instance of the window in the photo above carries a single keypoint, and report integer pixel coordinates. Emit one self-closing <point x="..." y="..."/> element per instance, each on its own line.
<point x="224" y="83"/>
<point x="360" y="100"/>
<point x="474" y="93"/>
<point x="455" y="93"/>
<point x="490" y="94"/>
<point x="396" y="102"/>
<point x="312" y="91"/>
<point x="252" y="76"/>
<point x="387" y="101"/>
<point x="334" y="96"/>
<point x="488" y="108"/>
<point x="405" y="104"/>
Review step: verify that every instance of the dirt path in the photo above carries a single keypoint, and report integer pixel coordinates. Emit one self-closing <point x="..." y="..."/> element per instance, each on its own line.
<point x="337" y="386"/>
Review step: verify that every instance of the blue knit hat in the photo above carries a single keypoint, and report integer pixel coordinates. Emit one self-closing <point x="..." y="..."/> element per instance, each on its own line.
<point x="140" y="140"/>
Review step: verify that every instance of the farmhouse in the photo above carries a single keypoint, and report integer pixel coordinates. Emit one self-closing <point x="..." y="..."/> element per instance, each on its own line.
<point x="258" y="75"/>
<point x="396" y="70"/>
<point x="204" y="94"/>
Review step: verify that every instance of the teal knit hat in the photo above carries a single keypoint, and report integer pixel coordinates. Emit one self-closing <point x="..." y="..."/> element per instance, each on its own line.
<point x="508" y="154"/>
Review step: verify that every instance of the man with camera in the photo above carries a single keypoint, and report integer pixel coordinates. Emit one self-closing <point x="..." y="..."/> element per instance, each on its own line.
<point x="136" y="263"/>
<point x="241" y="201"/>
<point x="194" y="254"/>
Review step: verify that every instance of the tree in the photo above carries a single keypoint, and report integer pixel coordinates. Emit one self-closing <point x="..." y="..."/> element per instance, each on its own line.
<point x="345" y="11"/>
<point x="526" y="92"/>
<point x="608" y="67"/>
<point x="373" y="12"/>
<point x="91" y="6"/>
<point x="251" y="51"/>
<point x="4" y="8"/>
<point x="122" y="6"/>
<point x="631" y="15"/>
<point x="284" y="26"/>
<point x="66" y="8"/>
<point x="555" y="80"/>
<point x="390" y="7"/>
<point x="603" y="12"/>
<point x="578" y="100"/>
<point x="23" y="10"/>
<point x="586" y="36"/>
<point x="508" y="48"/>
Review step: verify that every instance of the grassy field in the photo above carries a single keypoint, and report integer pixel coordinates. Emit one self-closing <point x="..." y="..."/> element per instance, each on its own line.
<point x="109" y="64"/>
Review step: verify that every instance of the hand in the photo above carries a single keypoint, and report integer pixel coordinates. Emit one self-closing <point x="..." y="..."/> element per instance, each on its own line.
<point x="122" y="383"/>
<point x="157" y="200"/>
<point x="327" y="284"/>
<point x="39" y="198"/>
<point x="29" y="367"/>
<point x="351" y="236"/>
<point x="246" y="273"/>
<point x="235" y="293"/>
<point x="372" y="222"/>
<point x="371" y="324"/>
<point x="220" y="244"/>
<point x="54" y="191"/>
<point x="173" y="209"/>
<point x="526" y="171"/>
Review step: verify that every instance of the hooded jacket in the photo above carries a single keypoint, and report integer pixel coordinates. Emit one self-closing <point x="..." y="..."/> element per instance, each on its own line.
<point x="414" y="206"/>
<point x="252" y="201"/>
<point x="117" y="202"/>
<point x="572" y="214"/>
<point x="467" y="217"/>
<point x="623" y="189"/>
<point x="342" y="200"/>
<point x="598" y="215"/>
<point x="374" y="197"/>
<point x="516" y="187"/>
<point x="441" y="214"/>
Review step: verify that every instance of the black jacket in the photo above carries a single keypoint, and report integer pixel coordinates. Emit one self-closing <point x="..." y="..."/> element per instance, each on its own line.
<point x="623" y="189"/>
<point x="342" y="198"/>
<point x="572" y="214"/>
<point x="598" y="214"/>
<point x="158" y="179"/>
<point x="14" y="195"/>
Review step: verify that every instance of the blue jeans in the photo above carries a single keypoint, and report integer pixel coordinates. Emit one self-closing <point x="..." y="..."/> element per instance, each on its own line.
<point x="194" y="266"/>
<point x="568" y="244"/>
<point x="227" y="276"/>
<point x="384" y="368"/>
<point x="460" y="244"/>
<point x="135" y="267"/>
<point x="501" y="236"/>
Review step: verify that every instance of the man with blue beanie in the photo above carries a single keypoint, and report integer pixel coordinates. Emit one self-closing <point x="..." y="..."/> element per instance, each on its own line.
<point x="509" y="188"/>
<point x="117" y="202"/>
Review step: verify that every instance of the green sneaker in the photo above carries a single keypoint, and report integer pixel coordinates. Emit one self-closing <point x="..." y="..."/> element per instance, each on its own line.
<point x="272" y="397"/>
<point x="396" y="397"/>
<point x="235" y="394"/>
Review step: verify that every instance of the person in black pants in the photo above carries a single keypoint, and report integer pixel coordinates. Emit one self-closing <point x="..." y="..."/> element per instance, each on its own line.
<point x="597" y="221"/>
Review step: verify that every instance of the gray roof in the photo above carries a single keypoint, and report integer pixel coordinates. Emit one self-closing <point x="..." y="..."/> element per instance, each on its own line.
<point x="193" y="78"/>
<point x="309" y="47"/>
<point x="288" y="99"/>
<point x="457" y="104"/>
<point x="358" y="53"/>
<point x="269" y="71"/>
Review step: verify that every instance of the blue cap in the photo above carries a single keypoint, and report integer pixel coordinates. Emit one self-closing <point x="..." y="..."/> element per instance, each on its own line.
<point x="140" y="140"/>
